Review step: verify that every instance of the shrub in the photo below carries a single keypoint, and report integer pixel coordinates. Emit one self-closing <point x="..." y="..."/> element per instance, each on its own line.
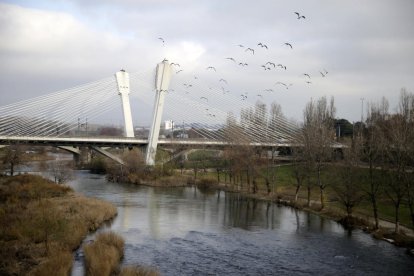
<point x="98" y="165"/>
<point x="103" y="255"/>
<point x="138" y="271"/>
<point x="206" y="183"/>
<point x="59" y="264"/>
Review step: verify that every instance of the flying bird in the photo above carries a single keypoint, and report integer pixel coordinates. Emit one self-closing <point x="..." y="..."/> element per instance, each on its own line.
<point x="262" y="45"/>
<point x="308" y="82"/>
<point x="243" y="64"/>
<point x="243" y="97"/>
<point x="271" y="63"/>
<point x="223" y="80"/>
<point x="281" y="83"/>
<point x="178" y="71"/>
<point x="259" y="95"/>
<point x="281" y="66"/>
<point x="300" y="16"/>
<point x="230" y="58"/>
<point x="175" y="64"/>
<point x="288" y="44"/>
<point x="269" y="90"/>
<point x="307" y="75"/>
<point x="203" y="98"/>
<point x="324" y="73"/>
<point x="212" y="68"/>
<point x="162" y="39"/>
<point x="265" y="67"/>
<point x="250" y="49"/>
<point x="241" y="46"/>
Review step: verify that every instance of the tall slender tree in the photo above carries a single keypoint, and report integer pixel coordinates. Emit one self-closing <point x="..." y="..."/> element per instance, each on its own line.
<point x="398" y="132"/>
<point x="374" y="152"/>
<point x="347" y="181"/>
<point x="317" y="137"/>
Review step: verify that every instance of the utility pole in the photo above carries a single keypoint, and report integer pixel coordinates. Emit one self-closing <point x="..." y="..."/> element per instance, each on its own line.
<point x="362" y="109"/>
<point x="172" y="130"/>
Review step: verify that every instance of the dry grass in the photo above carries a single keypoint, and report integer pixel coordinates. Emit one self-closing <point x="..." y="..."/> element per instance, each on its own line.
<point x="138" y="271"/>
<point x="58" y="264"/>
<point x="42" y="223"/>
<point x="102" y="256"/>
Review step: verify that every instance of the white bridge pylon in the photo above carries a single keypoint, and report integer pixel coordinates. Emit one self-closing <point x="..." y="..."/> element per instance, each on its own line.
<point x="122" y="79"/>
<point x="162" y="82"/>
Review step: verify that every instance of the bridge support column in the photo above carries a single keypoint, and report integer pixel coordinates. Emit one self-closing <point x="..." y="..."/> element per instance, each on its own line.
<point x="162" y="81"/>
<point x="122" y="79"/>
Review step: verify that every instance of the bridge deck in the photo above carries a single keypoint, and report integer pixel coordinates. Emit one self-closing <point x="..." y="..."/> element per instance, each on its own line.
<point x="125" y="142"/>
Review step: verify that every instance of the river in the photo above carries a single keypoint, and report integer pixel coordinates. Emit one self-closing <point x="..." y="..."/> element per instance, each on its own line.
<point x="183" y="231"/>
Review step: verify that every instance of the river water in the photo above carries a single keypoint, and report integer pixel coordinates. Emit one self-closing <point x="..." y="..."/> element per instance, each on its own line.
<point x="183" y="231"/>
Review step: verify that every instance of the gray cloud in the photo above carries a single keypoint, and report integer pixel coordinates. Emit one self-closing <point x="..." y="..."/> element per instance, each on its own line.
<point x="366" y="46"/>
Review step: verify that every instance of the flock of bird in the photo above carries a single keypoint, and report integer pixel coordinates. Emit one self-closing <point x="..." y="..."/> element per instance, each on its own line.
<point x="269" y="65"/>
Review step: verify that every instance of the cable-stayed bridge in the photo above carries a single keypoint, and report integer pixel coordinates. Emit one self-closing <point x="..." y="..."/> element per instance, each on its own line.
<point x="204" y="113"/>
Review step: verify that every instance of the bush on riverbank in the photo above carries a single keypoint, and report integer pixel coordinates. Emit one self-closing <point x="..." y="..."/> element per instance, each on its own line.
<point x="42" y="223"/>
<point x="400" y="239"/>
<point x="138" y="271"/>
<point x="102" y="256"/>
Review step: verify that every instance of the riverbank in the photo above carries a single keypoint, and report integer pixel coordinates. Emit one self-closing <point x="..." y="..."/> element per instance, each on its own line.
<point x="405" y="238"/>
<point x="42" y="223"/>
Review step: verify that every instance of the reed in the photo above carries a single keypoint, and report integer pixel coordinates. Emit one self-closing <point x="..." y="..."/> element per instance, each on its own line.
<point x="42" y="223"/>
<point x="138" y="271"/>
<point x="102" y="256"/>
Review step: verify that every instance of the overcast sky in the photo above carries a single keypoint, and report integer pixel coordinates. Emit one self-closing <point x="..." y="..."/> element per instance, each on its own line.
<point x="367" y="47"/>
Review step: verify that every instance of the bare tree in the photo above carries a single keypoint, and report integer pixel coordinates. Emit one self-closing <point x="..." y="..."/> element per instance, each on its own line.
<point x="348" y="180"/>
<point x="300" y="170"/>
<point x="398" y="132"/>
<point x="132" y="169"/>
<point x="317" y="137"/>
<point x="13" y="156"/>
<point x="61" y="171"/>
<point x="406" y="110"/>
<point x="275" y="122"/>
<point x="274" y="125"/>
<point x="374" y="151"/>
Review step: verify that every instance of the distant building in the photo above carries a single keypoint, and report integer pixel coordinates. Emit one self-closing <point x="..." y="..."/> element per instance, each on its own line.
<point x="169" y="125"/>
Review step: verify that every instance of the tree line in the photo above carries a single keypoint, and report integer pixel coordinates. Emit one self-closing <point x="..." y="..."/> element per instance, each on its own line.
<point x="372" y="163"/>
